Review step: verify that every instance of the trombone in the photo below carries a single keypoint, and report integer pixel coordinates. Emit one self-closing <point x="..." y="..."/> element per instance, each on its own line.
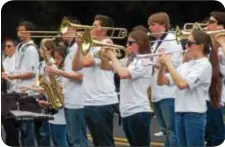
<point x="194" y="26"/>
<point x="116" y="33"/>
<point x="87" y="42"/>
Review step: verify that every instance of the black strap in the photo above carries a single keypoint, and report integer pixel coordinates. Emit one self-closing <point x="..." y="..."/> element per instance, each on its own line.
<point x="160" y="42"/>
<point x="70" y="45"/>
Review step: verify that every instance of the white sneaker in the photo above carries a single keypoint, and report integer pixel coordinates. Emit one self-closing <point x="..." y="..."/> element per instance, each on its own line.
<point x="158" y="134"/>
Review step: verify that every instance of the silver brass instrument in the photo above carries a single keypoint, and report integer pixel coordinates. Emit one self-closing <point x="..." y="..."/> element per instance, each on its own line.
<point x="51" y="86"/>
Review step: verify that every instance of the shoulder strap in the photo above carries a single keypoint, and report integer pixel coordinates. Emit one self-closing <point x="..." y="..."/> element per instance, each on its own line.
<point x="160" y="42"/>
<point x="23" y="49"/>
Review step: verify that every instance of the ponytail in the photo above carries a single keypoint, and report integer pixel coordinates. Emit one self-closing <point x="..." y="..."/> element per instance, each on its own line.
<point x="215" y="89"/>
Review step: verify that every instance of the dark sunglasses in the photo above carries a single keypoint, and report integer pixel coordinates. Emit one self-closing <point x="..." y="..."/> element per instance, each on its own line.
<point x="129" y="42"/>
<point x="8" y="46"/>
<point x="189" y="43"/>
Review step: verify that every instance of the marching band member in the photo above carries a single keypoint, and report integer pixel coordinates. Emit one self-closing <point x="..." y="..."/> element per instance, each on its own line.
<point x="135" y="78"/>
<point x="99" y="89"/>
<point x="27" y="60"/>
<point x="192" y="88"/>
<point x="73" y="92"/>
<point x="215" y="133"/>
<point x="163" y="96"/>
<point x="58" y="125"/>
<point x="10" y="125"/>
<point x="9" y="62"/>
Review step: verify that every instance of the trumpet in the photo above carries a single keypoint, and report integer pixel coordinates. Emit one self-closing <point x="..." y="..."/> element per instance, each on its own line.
<point x="117" y="49"/>
<point x="116" y="33"/>
<point x="151" y="55"/>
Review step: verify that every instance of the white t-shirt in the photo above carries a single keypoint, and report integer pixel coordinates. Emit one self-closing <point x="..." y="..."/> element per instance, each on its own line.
<point x="27" y="60"/>
<point x="164" y="92"/>
<point x="222" y="70"/>
<point x="98" y="84"/>
<point x="9" y="66"/>
<point x="133" y="92"/>
<point x="73" y="91"/>
<point x="198" y="74"/>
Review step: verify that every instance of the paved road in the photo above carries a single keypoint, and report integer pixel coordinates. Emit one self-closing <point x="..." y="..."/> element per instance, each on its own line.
<point x="120" y="139"/>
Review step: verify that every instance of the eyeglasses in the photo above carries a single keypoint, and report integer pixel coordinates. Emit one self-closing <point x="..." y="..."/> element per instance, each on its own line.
<point x="189" y="43"/>
<point x="8" y="46"/>
<point x="130" y="42"/>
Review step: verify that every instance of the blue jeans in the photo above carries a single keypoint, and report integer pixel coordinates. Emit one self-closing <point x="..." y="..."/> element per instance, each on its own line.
<point x="58" y="134"/>
<point x="75" y="120"/>
<point x="43" y="133"/>
<point x="28" y="133"/>
<point x="99" y="120"/>
<point x="137" y="128"/>
<point x="215" y="131"/>
<point x="190" y="129"/>
<point x="165" y="114"/>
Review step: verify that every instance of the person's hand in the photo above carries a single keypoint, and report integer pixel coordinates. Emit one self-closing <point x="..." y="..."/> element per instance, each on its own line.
<point x="4" y="75"/>
<point x="165" y="59"/>
<point x="108" y="53"/>
<point x="44" y="104"/>
<point x="51" y="70"/>
<point x="23" y="89"/>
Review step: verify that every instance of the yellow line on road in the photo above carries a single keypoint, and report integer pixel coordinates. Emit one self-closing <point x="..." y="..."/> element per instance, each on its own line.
<point x="124" y="141"/>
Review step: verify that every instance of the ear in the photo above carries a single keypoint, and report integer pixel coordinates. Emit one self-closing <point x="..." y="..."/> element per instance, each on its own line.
<point x="202" y="46"/>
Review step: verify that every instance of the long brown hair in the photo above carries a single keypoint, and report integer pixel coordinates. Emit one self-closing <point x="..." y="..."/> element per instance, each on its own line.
<point x="62" y="52"/>
<point x="142" y="39"/>
<point x="215" y="89"/>
<point x="50" y="45"/>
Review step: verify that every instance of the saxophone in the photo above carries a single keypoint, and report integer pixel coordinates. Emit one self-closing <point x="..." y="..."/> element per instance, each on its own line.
<point x="51" y="86"/>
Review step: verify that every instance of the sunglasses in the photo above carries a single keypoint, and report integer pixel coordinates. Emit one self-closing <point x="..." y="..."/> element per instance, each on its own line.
<point x="8" y="46"/>
<point x="189" y="43"/>
<point x="130" y="42"/>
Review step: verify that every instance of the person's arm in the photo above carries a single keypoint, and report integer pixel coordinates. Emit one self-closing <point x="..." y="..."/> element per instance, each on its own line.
<point x="67" y="74"/>
<point x="106" y="65"/>
<point x="179" y="81"/>
<point x="223" y="48"/>
<point x="122" y="72"/>
<point x="23" y="76"/>
<point x="162" y="79"/>
<point x="80" y="61"/>
<point x="29" y="64"/>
